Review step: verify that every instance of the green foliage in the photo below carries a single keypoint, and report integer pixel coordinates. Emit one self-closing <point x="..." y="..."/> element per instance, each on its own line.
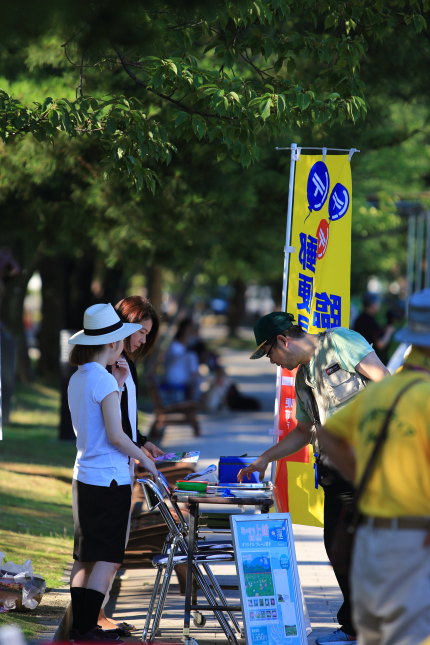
<point x="131" y="133"/>
<point x="223" y="74"/>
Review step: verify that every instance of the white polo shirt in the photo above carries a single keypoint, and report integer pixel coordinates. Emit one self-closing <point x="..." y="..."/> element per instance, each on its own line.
<point x="98" y="462"/>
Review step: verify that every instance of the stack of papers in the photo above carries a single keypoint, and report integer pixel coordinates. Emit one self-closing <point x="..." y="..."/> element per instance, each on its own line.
<point x="261" y="486"/>
<point x="194" y="493"/>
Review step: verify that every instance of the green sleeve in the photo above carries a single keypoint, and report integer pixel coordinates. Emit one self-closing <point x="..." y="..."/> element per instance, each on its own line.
<point x="351" y="347"/>
<point x="301" y="414"/>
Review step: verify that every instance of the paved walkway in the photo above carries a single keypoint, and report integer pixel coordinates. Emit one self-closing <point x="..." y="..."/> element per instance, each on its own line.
<point x="235" y="433"/>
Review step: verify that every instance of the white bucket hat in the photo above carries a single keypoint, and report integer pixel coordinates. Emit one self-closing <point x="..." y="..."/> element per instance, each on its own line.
<point x="417" y="331"/>
<point x="102" y="325"/>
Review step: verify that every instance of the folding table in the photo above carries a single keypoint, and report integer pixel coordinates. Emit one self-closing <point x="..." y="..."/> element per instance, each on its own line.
<point x="258" y="499"/>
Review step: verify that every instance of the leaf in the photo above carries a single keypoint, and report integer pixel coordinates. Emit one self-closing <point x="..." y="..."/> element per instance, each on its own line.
<point x="233" y="97"/>
<point x="281" y="104"/>
<point x="53" y="117"/>
<point x="46" y="103"/>
<point x="419" y="23"/>
<point x="303" y="100"/>
<point x="171" y="65"/>
<point x="265" y="109"/>
<point x="180" y="118"/>
<point x="199" y="126"/>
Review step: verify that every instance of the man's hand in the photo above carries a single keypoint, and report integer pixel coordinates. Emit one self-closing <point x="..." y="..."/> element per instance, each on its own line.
<point x="259" y="465"/>
<point x="152" y="449"/>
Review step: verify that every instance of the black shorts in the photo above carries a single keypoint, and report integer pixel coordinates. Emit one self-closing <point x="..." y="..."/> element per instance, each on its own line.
<point x="100" y="515"/>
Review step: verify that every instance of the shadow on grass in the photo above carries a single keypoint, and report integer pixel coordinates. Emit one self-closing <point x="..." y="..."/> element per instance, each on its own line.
<point x="66" y="479"/>
<point x="37" y="397"/>
<point x="36" y="517"/>
<point x="33" y="443"/>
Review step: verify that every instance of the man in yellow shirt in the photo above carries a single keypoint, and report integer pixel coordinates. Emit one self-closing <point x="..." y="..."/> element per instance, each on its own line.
<point x="391" y="561"/>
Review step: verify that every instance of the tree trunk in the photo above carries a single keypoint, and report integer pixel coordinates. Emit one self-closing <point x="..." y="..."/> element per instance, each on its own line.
<point x="113" y="286"/>
<point x="52" y="274"/>
<point x="155" y="286"/>
<point x="236" y="309"/>
<point x="66" y="293"/>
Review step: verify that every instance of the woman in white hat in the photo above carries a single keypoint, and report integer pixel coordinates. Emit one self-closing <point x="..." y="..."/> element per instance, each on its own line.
<point x="101" y="478"/>
<point x="132" y="309"/>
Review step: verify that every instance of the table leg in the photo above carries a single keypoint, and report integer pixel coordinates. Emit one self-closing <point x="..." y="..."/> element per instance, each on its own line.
<point x="192" y="534"/>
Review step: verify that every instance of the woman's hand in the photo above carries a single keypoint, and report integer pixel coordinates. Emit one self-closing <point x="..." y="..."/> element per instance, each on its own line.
<point x="152" y="449"/>
<point x="120" y="370"/>
<point x="148" y="464"/>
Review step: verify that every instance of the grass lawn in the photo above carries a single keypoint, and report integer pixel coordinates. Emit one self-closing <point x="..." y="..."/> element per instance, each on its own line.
<point x="35" y="492"/>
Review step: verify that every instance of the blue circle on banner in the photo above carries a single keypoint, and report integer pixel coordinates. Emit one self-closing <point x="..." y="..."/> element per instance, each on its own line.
<point x="338" y="203"/>
<point x="318" y="186"/>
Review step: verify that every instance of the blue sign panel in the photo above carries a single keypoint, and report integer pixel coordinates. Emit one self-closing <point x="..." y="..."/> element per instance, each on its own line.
<point x="272" y="604"/>
<point x="318" y="186"/>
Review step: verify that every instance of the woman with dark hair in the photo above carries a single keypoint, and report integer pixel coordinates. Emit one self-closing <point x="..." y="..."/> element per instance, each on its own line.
<point x="136" y="309"/>
<point x="139" y="309"/>
<point x="133" y="309"/>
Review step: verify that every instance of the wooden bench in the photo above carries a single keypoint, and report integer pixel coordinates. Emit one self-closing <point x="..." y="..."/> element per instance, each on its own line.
<point x="183" y="413"/>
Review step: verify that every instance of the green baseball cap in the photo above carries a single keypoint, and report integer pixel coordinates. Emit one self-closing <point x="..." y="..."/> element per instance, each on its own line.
<point x="267" y="327"/>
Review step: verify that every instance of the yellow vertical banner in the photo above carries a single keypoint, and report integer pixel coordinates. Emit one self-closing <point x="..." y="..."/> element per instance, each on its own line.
<point x="319" y="277"/>
<point x="318" y="295"/>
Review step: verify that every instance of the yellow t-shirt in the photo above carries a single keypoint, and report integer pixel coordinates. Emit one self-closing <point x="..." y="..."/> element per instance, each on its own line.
<point x="400" y="484"/>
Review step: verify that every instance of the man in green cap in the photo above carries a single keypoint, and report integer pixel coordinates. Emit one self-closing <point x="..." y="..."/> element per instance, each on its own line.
<point x="334" y="366"/>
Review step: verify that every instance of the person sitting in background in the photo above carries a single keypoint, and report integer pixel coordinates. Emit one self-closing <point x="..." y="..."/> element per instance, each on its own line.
<point x="221" y="392"/>
<point x="367" y="325"/>
<point x="181" y="380"/>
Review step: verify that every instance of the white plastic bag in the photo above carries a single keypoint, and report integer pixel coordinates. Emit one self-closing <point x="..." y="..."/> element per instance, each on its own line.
<point x="18" y="586"/>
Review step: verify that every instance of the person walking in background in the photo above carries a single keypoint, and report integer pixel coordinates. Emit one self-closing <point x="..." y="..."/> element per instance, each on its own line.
<point x="333" y="367"/>
<point x="368" y="326"/>
<point x="136" y="310"/>
<point x="101" y="488"/>
<point x="391" y="559"/>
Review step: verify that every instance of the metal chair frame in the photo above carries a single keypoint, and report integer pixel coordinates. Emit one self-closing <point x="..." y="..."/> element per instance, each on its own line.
<point x="175" y="551"/>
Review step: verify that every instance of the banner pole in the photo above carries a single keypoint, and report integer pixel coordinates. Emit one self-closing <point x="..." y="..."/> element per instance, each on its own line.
<point x="287" y="250"/>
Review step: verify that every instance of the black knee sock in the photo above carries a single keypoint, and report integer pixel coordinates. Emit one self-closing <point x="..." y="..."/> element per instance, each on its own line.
<point x="93" y="604"/>
<point x="77" y="595"/>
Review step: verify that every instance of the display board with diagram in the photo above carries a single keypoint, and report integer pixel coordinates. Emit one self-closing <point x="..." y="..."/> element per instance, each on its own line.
<point x="271" y="597"/>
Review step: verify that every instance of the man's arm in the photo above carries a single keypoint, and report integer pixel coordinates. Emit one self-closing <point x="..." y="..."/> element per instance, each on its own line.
<point x="340" y="453"/>
<point x="372" y="368"/>
<point x="294" y="441"/>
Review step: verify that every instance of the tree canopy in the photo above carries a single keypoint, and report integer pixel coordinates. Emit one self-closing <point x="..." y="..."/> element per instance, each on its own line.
<point x="152" y="76"/>
<point x="140" y="137"/>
